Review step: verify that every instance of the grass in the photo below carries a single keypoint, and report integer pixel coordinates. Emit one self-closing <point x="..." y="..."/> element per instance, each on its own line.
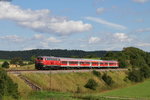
<point x="25" y="67"/>
<point x="46" y="95"/>
<point x="23" y="88"/>
<point x="141" y="90"/>
<point x="70" y="82"/>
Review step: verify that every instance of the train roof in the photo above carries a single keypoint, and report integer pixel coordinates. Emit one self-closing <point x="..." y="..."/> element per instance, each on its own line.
<point x="75" y="59"/>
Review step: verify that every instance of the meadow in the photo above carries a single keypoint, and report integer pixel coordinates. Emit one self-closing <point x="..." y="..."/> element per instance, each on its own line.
<point x="140" y="90"/>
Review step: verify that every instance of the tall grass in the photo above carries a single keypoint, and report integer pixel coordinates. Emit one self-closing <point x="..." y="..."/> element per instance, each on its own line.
<point x="72" y="82"/>
<point x="23" y="88"/>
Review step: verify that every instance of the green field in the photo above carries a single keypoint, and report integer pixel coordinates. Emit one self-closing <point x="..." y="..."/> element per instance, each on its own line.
<point x="139" y="90"/>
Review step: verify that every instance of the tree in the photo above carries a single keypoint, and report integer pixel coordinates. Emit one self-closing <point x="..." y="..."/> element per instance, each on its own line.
<point x="7" y="86"/>
<point x="16" y="61"/>
<point x="145" y="72"/>
<point x="5" y="64"/>
<point x="135" y="75"/>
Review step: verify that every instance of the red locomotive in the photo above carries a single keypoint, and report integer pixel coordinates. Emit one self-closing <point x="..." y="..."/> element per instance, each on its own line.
<point x="47" y="62"/>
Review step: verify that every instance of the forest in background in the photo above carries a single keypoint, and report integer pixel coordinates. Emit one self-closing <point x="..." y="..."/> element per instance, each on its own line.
<point x="27" y="54"/>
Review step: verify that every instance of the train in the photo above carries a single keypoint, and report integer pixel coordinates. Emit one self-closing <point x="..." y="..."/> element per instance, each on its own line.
<point x="49" y="62"/>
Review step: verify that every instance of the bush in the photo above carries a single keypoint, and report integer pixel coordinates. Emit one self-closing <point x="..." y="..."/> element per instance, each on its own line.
<point x="108" y="80"/>
<point x="5" y="64"/>
<point x="91" y="84"/>
<point x="7" y="87"/>
<point x="135" y="76"/>
<point x="96" y="73"/>
<point x="145" y="72"/>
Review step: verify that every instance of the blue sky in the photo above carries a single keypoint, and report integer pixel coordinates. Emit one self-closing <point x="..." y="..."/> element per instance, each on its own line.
<point x="74" y="24"/>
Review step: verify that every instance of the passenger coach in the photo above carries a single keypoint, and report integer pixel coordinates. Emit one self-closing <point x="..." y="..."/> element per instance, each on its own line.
<point x="47" y="62"/>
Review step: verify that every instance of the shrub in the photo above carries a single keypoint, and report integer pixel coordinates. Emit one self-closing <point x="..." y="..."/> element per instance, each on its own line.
<point x="7" y="86"/>
<point x="96" y="73"/>
<point x="145" y="72"/>
<point x="108" y="80"/>
<point x="135" y="76"/>
<point x="5" y="64"/>
<point x="91" y="84"/>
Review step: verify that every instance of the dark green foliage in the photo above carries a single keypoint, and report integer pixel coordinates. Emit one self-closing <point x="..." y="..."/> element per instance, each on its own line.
<point x="90" y="56"/>
<point x="32" y="60"/>
<point x="96" y="73"/>
<point x="130" y="56"/>
<point x="135" y="76"/>
<point x="5" y="64"/>
<point x="7" y="87"/>
<point x="17" y="61"/>
<point x="26" y="55"/>
<point x="123" y="63"/>
<point x="91" y="84"/>
<point x="145" y="72"/>
<point x="108" y="80"/>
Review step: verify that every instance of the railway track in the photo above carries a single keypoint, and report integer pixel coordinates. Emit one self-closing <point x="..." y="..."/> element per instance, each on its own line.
<point x="62" y="71"/>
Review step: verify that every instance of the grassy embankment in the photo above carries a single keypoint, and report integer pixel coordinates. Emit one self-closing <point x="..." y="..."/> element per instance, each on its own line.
<point x="68" y="83"/>
<point x="64" y="83"/>
<point x="73" y="82"/>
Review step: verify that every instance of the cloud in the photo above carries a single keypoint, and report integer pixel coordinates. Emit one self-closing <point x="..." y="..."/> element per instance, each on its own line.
<point x="143" y="30"/>
<point x="143" y="44"/>
<point x="93" y="40"/>
<point x="12" y="38"/>
<point x="140" y="1"/>
<point x="40" y="20"/>
<point x="104" y="22"/>
<point x="122" y="37"/>
<point x="53" y="40"/>
<point x="100" y="10"/>
<point x="6" y="0"/>
<point x="38" y="36"/>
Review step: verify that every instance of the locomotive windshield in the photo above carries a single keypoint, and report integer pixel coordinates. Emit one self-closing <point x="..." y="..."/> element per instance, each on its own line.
<point x="39" y="58"/>
<point x="52" y="59"/>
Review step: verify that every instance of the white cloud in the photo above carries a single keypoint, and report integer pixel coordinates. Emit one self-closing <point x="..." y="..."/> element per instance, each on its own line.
<point x="94" y="40"/>
<point x="29" y="48"/>
<point x="140" y="1"/>
<point x="100" y="10"/>
<point x="110" y="24"/>
<point x="40" y="20"/>
<point x="12" y="38"/>
<point x="143" y="30"/>
<point x="143" y="44"/>
<point x="122" y="37"/>
<point x="38" y="36"/>
<point x="53" y="40"/>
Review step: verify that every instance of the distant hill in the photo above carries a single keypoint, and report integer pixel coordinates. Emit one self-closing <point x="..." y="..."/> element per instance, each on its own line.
<point x="27" y="54"/>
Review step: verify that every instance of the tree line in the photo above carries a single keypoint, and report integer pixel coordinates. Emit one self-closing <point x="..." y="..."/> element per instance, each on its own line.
<point x="27" y="54"/>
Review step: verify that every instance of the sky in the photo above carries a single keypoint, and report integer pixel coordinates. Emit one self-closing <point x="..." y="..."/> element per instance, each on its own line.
<point x="88" y="25"/>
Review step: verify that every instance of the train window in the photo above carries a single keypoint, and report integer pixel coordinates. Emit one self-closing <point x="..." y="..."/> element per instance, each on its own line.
<point x="81" y="62"/>
<point x="101" y="63"/>
<point x="51" y="59"/>
<point x="64" y="62"/>
<point x="94" y="63"/>
<point x="40" y="58"/>
<point x="72" y="62"/>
